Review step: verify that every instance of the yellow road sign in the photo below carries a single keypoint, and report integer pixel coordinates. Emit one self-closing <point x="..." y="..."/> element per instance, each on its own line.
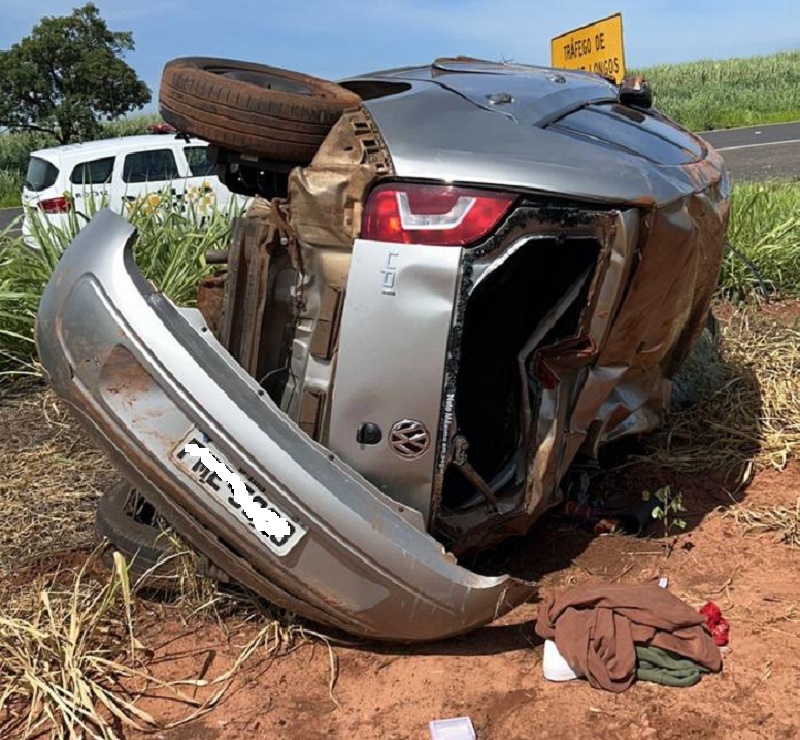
<point x="596" y="47"/>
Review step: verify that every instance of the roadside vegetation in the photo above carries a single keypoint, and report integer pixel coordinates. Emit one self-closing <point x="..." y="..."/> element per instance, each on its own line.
<point x="765" y="232"/>
<point x="10" y="187"/>
<point x="713" y="94"/>
<point x="170" y="250"/>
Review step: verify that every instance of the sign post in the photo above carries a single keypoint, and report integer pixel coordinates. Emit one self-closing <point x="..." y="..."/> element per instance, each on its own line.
<point x="596" y="47"/>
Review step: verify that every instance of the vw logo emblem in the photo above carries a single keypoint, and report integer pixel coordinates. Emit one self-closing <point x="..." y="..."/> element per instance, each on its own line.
<point x="409" y="439"/>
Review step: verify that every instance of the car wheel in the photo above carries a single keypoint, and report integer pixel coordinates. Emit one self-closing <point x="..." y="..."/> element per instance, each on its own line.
<point x="252" y="108"/>
<point x="132" y="526"/>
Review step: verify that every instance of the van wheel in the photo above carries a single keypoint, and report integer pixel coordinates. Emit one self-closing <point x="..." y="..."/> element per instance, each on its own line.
<point x="252" y="108"/>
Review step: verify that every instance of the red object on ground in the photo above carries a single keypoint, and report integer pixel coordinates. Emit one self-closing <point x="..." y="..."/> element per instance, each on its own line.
<point x="716" y="623"/>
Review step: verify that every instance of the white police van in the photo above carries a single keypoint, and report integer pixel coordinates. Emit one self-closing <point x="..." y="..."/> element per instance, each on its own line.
<point x="117" y="173"/>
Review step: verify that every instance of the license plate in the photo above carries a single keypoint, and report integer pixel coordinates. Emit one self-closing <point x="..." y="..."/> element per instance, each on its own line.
<point x="209" y="467"/>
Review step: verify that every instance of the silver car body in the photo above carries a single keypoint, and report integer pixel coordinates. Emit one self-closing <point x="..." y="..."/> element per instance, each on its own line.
<point x="647" y="209"/>
<point x="148" y="374"/>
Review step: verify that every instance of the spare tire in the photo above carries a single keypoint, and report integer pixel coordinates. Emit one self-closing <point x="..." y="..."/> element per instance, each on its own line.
<point x="131" y="525"/>
<point x="127" y="522"/>
<point x="251" y="108"/>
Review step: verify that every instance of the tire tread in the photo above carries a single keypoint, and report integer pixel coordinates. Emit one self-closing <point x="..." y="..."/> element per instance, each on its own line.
<point x="247" y="118"/>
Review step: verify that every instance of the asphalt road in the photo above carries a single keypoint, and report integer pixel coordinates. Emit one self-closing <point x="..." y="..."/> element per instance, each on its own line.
<point x="755" y="153"/>
<point x="7" y="216"/>
<point x="754" y="136"/>
<point x="759" y="152"/>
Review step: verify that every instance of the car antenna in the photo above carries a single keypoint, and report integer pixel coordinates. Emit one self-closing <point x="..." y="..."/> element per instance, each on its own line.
<point x="183" y="135"/>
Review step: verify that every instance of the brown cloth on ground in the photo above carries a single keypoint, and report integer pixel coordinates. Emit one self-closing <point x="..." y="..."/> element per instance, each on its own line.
<point x="596" y="629"/>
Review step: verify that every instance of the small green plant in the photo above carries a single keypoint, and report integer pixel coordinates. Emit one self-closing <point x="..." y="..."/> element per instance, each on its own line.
<point x="668" y="510"/>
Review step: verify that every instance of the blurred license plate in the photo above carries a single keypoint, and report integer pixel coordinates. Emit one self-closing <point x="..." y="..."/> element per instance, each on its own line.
<point x="197" y="470"/>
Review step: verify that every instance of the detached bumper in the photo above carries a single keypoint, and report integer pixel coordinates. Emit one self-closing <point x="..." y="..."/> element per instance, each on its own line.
<point x="146" y="377"/>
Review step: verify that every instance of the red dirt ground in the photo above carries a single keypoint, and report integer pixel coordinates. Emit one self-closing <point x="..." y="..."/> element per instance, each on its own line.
<point x="494" y="675"/>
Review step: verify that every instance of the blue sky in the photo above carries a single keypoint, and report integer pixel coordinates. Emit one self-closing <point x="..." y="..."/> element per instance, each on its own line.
<point x="336" y="38"/>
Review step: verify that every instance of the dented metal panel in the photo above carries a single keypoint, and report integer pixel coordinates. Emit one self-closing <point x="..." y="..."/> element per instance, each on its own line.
<point x="327" y="197"/>
<point x="390" y="366"/>
<point x="443" y="128"/>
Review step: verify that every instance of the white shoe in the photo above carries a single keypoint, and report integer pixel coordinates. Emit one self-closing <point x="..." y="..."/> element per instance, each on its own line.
<point x="554" y="666"/>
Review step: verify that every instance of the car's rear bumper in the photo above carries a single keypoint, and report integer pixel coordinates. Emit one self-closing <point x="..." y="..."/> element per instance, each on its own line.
<point x="143" y="373"/>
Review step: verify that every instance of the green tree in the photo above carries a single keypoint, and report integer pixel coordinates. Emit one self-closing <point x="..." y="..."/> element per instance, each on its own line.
<point x="68" y="75"/>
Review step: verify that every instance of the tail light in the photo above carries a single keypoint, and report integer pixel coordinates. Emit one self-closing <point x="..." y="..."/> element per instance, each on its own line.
<point x="441" y="215"/>
<point x="60" y="204"/>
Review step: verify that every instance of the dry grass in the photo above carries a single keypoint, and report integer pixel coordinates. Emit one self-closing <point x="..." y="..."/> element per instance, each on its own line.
<point x="50" y="481"/>
<point x="72" y="666"/>
<point x="750" y="419"/>
<point x="61" y="649"/>
<point x="781" y="521"/>
<point x="71" y="662"/>
<point x="194" y="594"/>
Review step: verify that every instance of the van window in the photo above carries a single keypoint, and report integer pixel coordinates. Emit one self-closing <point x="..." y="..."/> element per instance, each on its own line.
<point x="41" y="174"/>
<point x="199" y="164"/>
<point x="156" y="164"/>
<point x="93" y="173"/>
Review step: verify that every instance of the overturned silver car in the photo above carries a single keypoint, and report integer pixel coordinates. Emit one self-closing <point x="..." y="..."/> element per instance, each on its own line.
<point x="455" y="279"/>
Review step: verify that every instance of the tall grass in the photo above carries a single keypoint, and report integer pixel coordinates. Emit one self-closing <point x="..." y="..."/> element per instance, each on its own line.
<point x="129" y="126"/>
<point x="713" y="94"/>
<point x="14" y="151"/>
<point x="765" y="230"/>
<point x="170" y="251"/>
<point x="10" y="188"/>
<point x="15" y="148"/>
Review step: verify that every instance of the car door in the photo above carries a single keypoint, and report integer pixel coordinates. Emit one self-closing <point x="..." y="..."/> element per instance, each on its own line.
<point x="90" y="184"/>
<point x="145" y="177"/>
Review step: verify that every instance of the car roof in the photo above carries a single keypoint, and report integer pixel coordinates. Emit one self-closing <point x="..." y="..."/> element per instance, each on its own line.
<point x="113" y="146"/>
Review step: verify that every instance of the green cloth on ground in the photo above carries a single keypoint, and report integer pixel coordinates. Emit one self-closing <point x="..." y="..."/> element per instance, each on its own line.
<point x="661" y="666"/>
